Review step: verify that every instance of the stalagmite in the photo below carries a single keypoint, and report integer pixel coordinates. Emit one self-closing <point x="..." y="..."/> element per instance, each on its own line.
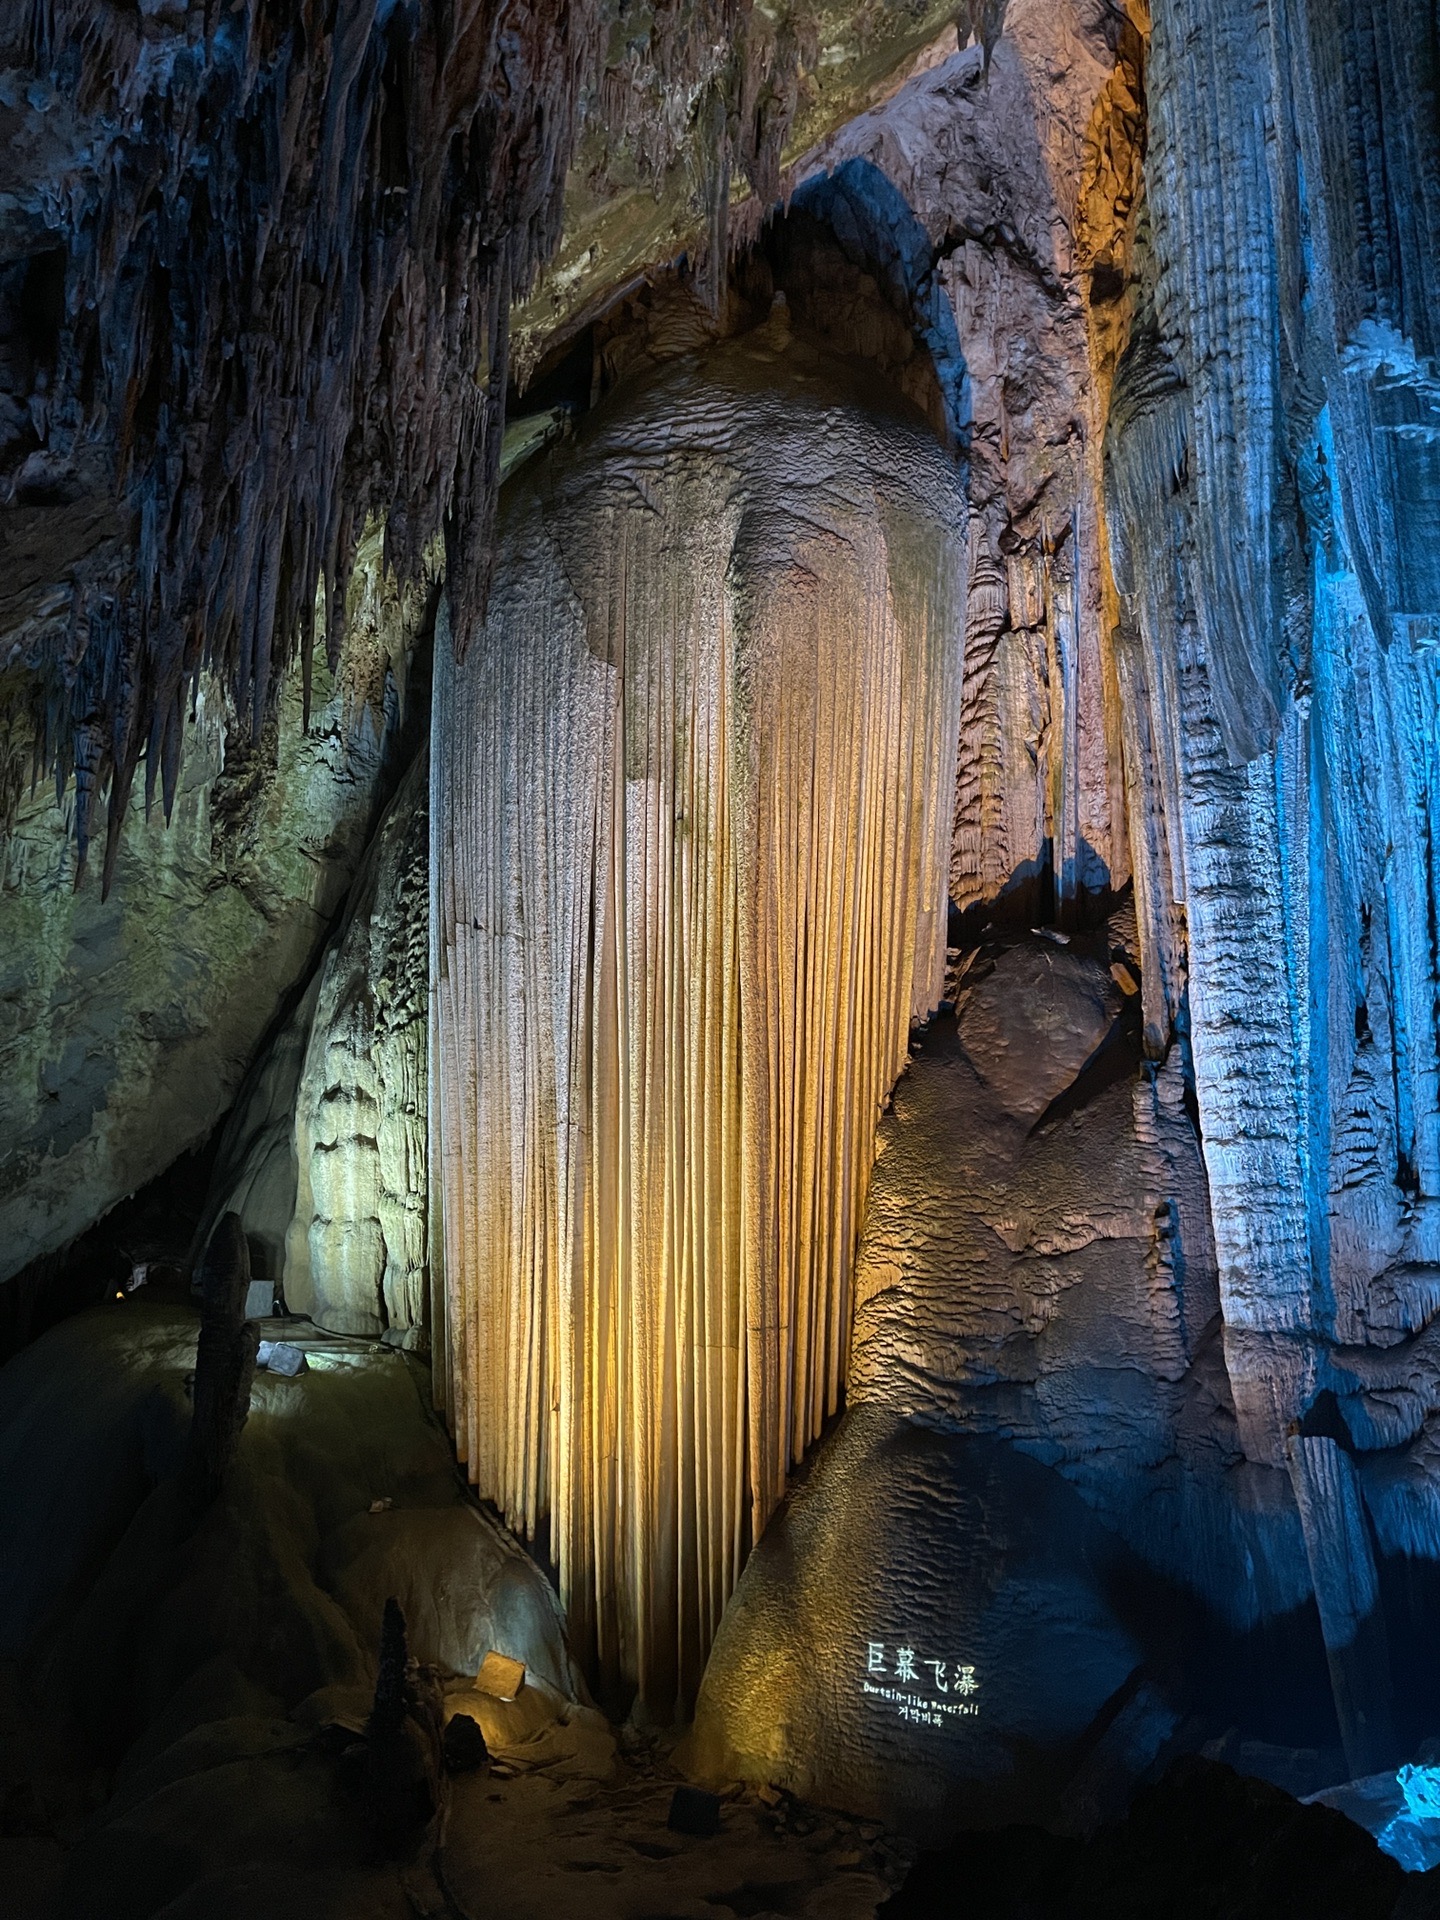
<point x="355" y="1249"/>
<point x="691" y="804"/>
<point x="224" y="1366"/>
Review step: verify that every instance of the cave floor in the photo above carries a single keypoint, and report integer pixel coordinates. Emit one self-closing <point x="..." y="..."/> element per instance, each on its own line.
<point x="179" y="1719"/>
<point x="537" y="1845"/>
<point x="584" y="1833"/>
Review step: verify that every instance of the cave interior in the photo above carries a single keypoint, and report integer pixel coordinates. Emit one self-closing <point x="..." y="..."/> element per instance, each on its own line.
<point x="719" y="959"/>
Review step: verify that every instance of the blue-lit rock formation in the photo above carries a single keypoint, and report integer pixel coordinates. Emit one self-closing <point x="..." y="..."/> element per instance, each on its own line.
<point x="1273" y="487"/>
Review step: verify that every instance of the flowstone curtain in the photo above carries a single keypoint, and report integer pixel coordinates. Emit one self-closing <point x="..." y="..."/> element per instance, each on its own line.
<point x="691" y="791"/>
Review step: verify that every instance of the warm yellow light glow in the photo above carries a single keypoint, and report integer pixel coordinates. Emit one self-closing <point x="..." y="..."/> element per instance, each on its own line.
<point x="691" y="809"/>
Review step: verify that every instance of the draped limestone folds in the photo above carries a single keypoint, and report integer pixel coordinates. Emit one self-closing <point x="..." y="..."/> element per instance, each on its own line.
<point x="691" y="816"/>
<point x="1273" y="494"/>
<point x="1279" y="662"/>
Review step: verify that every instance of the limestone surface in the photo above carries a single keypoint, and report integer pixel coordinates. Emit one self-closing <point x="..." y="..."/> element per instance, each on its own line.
<point x="691" y="827"/>
<point x="1036" y="1412"/>
<point x="324" y="1155"/>
<point x="128" y="1023"/>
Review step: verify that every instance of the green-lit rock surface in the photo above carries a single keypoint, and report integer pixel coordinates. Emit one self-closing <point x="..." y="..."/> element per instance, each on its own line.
<point x="127" y="1024"/>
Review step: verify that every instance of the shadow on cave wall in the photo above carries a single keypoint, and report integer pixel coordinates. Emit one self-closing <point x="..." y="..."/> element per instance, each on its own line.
<point x="856" y="267"/>
<point x="1031" y="897"/>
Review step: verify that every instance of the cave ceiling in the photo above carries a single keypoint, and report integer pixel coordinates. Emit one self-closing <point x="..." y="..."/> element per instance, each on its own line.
<point x="262" y="266"/>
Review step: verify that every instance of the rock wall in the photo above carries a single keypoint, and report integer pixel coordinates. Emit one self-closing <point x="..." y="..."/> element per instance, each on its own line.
<point x="1284" y="637"/>
<point x="691" y="829"/>
<point x="129" y="1022"/>
<point x="1255" y="355"/>
<point x="1168" y="301"/>
<point x="1273" y="494"/>
<point x="966" y="189"/>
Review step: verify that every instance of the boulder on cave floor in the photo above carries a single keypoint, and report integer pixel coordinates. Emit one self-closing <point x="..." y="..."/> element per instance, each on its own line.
<point x="189" y="1677"/>
<point x="344" y="1491"/>
<point x="953" y="1611"/>
<point x="924" y="1634"/>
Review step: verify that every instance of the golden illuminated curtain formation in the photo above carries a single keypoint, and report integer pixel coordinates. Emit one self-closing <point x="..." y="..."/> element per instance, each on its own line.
<point x="692" y="790"/>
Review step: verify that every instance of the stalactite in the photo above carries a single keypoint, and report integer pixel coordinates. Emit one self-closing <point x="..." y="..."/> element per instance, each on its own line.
<point x="1018" y="836"/>
<point x="1298" y="854"/>
<point x="1209" y="164"/>
<point x="284" y="310"/>
<point x="691" y="805"/>
<point x="982" y="860"/>
<point x="1145" y="466"/>
<point x="291" y="245"/>
<point x="1347" y="1591"/>
<point x="1367" y="205"/>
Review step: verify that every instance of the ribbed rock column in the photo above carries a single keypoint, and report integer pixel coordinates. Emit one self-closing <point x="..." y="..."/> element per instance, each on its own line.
<point x="691" y="818"/>
<point x="1274" y="511"/>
